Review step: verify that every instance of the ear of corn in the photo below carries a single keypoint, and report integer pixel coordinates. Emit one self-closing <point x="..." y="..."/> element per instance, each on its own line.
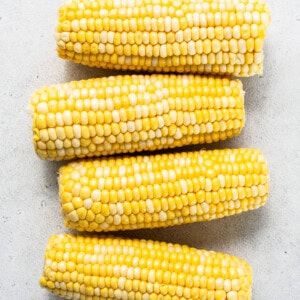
<point x="161" y="190"/>
<point x="219" y="37"/>
<point x="133" y="113"/>
<point x="93" y="268"/>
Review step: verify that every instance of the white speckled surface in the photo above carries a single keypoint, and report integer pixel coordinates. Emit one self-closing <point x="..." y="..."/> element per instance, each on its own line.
<point x="269" y="238"/>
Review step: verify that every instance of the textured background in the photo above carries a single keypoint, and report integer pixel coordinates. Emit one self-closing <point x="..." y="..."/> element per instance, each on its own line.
<point x="29" y="208"/>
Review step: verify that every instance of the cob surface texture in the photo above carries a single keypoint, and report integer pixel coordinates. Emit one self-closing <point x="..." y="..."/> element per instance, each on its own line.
<point x="130" y="113"/>
<point x="93" y="268"/>
<point x="161" y="190"/>
<point x="215" y="36"/>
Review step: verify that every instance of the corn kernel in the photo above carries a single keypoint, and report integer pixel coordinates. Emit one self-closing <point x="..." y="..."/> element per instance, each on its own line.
<point x="198" y="186"/>
<point x="116" y="267"/>
<point x="85" y="124"/>
<point x="168" y="35"/>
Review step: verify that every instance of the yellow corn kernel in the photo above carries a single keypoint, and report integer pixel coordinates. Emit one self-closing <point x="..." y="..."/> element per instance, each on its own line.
<point x="102" y="267"/>
<point x="173" y="36"/>
<point x="114" y="115"/>
<point x="162" y="190"/>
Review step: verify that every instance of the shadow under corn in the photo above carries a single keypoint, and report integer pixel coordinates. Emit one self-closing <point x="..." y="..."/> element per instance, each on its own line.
<point x="217" y="235"/>
<point x="50" y="169"/>
<point x="229" y="235"/>
<point x="49" y="216"/>
<point x="74" y="71"/>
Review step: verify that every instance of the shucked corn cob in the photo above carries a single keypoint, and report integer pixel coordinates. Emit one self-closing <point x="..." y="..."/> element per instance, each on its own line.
<point x="212" y="36"/>
<point x="114" y="268"/>
<point x="134" y="113"/>
<point x="161" y="190"/>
